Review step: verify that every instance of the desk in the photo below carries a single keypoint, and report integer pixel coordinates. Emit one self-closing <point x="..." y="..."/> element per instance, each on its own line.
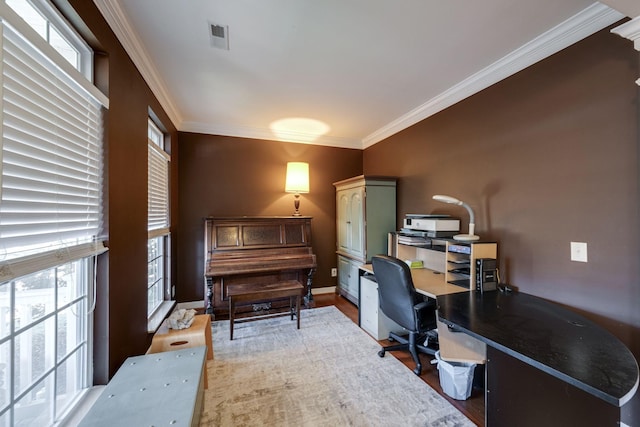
<point x="546" y="365"/>
<point x="454" y="347"/>
<point x="427" y="282"/>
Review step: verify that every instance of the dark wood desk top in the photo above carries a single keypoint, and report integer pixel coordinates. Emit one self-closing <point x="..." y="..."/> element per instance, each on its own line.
<point x="548" y="337"/>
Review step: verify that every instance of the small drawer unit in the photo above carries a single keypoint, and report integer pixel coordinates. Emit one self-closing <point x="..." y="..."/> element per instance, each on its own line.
<point x="372" y="319"/>
<point x="462" y="258"/>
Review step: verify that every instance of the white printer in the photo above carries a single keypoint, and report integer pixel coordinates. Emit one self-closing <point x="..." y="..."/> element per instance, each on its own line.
<point x="432" y="223"/>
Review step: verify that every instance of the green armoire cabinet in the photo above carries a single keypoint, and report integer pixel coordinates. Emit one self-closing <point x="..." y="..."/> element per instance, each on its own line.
<point x="365" y="213"/>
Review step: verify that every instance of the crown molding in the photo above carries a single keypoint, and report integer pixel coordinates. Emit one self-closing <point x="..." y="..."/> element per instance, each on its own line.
<point x="631" y="31"/>
<point x="267" y="134"/>
<point x="116" y="18"/>
<point x="590" y="20"/>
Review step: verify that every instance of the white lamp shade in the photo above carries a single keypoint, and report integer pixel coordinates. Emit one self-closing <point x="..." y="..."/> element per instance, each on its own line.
<point x="447" y="199"/>
<point x="297" y="177"/>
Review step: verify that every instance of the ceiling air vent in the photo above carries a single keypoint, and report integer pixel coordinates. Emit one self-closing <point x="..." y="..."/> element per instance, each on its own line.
<point x="219" y="35"/>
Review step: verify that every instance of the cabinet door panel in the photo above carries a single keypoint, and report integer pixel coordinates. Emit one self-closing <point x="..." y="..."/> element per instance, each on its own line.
<point x="343" y="220"/>
<point x="354" y="278"/>
<point x="356" y="215"/>
<point x="343" y="273"/>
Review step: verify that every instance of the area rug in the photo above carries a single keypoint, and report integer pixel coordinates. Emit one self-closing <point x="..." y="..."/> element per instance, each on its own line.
<point x="327" y="373"/>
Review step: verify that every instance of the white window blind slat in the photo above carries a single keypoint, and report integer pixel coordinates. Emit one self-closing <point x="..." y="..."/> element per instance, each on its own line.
<point x="158" y="188"/>
<point x="45" y="164"/>
<point x="37" y="105"/>
<point x="40" y="95"/>
<point x="55" y="96"/>
<point x="20" y="125"/>
<point x="50" y="187"/>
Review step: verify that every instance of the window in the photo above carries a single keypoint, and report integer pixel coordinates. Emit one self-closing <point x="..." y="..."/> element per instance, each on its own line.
<point x="50" y="217"/>
<point x="158" y="218"/>
<point x="52" y="27"/>
<point x="44" y="346"/>
<point x="156" y="273"/>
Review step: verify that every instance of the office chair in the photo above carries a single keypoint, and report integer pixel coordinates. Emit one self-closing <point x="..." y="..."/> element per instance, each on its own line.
<point x="400" y="302"/>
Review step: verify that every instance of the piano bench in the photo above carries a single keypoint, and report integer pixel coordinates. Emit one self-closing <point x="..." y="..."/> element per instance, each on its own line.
<point x="253" y="292"/>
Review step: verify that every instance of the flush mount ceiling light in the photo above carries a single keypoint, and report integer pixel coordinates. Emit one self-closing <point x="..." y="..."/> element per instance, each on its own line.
<point x="299" y="129"/>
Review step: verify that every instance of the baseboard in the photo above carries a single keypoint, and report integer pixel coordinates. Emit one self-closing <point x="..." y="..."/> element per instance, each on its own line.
<point x="325" y="290"/>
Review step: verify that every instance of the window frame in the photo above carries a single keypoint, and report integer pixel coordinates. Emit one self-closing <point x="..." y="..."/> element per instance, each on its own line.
<point x="158" y="230"/>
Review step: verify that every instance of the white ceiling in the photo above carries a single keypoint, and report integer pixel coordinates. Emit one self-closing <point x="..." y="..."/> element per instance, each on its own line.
<point x="365" y="68"/>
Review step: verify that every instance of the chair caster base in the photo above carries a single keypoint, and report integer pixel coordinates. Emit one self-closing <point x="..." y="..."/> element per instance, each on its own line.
<point x="381" y="353"/>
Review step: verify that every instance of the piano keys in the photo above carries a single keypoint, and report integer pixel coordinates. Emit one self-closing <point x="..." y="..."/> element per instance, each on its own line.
<point x="256" y="250"/>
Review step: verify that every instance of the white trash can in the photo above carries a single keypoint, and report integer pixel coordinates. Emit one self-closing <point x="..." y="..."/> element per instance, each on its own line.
<point x="456" y="378"/>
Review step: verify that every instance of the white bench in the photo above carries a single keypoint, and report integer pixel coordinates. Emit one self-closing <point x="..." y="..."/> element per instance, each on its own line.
<point x="153" y="390"/>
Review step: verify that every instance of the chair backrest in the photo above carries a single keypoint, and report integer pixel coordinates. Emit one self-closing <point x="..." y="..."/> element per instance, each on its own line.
<point x="397" y="295"/>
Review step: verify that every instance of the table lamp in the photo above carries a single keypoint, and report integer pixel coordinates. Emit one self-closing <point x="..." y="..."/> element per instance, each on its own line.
<point x="297" y="182"/>
<point x="472" y="221"/>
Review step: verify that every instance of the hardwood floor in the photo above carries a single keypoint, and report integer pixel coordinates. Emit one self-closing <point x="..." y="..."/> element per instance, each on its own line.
<point x="472" y="408"/>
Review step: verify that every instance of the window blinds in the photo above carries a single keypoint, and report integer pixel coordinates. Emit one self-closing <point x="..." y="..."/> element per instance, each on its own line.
<point x="158" y="191"/>
<point x="51" y="155"/>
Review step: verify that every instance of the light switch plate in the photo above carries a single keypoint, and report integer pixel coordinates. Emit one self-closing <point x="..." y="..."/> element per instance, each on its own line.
<point x="579" y="251"/>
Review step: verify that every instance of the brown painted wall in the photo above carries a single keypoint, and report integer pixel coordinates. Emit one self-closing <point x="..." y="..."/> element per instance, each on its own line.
<point x="121" y="315"/>
<point x="222" y="176"/>
<point x="546" y="157"/>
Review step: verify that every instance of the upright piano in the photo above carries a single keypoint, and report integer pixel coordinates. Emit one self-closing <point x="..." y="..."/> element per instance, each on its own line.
<point x="256" y="250"/>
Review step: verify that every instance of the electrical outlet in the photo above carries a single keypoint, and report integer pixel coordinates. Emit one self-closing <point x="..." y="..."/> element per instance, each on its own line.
<point x="334" y="272"/>
<point x="579" y="251"/>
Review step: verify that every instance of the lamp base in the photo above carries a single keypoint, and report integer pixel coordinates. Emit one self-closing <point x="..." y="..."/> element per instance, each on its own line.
<point x="296" y="204"/>
<point x="466" y="237"/>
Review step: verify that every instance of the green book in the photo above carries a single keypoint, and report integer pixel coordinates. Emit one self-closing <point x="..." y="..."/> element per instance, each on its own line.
<point x="415" y="263"/>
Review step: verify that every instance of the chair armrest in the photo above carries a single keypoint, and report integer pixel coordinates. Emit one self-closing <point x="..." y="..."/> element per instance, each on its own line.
<point x="422" y="308"/>
<point x="425" y="315"/>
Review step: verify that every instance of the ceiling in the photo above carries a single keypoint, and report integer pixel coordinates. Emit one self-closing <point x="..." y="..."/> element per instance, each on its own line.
<point x="363" y="69"/>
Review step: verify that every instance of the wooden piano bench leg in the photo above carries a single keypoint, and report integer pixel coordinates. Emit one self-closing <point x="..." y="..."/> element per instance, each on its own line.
<point x="232" y="316"/>
<point x="298" y="309"/>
